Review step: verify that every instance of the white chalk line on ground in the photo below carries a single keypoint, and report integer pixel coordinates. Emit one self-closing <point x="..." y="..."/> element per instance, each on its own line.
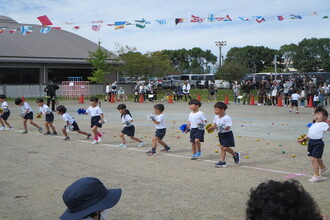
<point x="185" y="157"/>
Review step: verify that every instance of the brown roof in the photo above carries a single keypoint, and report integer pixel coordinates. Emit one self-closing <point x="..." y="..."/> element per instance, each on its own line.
<point x="56" y="46"/>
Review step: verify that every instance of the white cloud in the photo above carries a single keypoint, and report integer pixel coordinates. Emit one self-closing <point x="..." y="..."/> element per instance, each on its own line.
<point x="272" y="33"/>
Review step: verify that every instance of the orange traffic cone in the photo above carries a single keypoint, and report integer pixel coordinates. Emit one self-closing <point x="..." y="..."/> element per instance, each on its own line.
<point x="310" y="103"/>
<point x="141" y="99"/>
<point x="170" y="100"/>
<point x="112" y="99"/>
<point x="199" y="97"/>
<point x="81" y="99"/>
<point x="252" y="100"/>
<point x="279" y="102"/>
<point x="226" y="99"/>
<point x="23" y="99"/>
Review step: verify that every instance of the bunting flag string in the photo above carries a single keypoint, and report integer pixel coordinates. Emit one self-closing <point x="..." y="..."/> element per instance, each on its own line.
<point x="46" y="23"/>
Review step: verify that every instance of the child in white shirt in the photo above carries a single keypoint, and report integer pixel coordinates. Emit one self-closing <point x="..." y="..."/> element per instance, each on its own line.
<point x="26" y="114"/>
<point x="49" y="116"/>
<point x="294" y="101"/>
<point x="196" y="124"/>
<point x="96" y="120"/>
<point x="129" y="128"/>
<point x="4" y="115"/>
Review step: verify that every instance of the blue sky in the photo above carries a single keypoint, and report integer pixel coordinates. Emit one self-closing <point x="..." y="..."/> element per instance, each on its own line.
<point x="271" y="33"/>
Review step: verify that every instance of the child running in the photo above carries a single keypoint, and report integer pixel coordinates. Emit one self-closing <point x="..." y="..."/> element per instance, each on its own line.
<point x="315" y="101"/>
<point x="71" y="124"/>
<point x="129" y="129"/>
<point x="196" y="122"/>
<point x="26" y="114"/>
<point x="49" y="116"/>
<point x="294" y="101"/>
<point x="97" y="119"/>
<point x="159" y="121"/>
<point x="4" y="114"/>
<point x="223" y="123"/>
<point x="316" y="133"/>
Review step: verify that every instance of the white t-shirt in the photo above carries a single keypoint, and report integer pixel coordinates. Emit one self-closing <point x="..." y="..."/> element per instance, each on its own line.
<point x="125" y="119"/>
<point x="186" y="88"/>
<point x="223" y="122"/>
<point x="4" y="105"/>
<point x="303" y="94"/>
<point x="318" y="130"/>
<point x="94" y="111"/>
<point x="196" y="118"/>
<point x="67" y="118"/>
<point x="295" y="97"/>
<point x="44" y="109"/>
<point x="26" y="106"/>
<point x="108" y="89"/>
<point x="161" y="120"/>
<point x="316" y="98"/>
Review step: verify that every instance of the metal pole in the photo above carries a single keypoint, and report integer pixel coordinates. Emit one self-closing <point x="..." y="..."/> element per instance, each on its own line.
<point x="220" y="63"/>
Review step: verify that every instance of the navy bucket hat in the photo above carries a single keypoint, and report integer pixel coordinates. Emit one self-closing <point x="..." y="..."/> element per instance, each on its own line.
<point x="86" y="196"/>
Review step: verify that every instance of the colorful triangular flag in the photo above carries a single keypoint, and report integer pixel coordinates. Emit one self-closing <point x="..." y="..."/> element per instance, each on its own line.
<point x="96" y="27"/>
<point x="2" y="29"/>
<point x="314" y="13"/>
<point x="45" y="30"/>
<point x="295" y="16"/>
<point x="280" y="18"/>
<point x="120" y="25"/>
<point x="179" y="20"/>
<point x="243" y="18"/>
<point x="161" y="21"/>
<point x="211" y="18"/>
<point x="325" y="17"/>
<point x="44" y="20"/>
<point x="140" y="23"/>
<point x="260" y="19"/>
<point x="13" y="30"/>
<point x="25" y="29"/>
<point x="75" y="27"/>
<point x="196" y="19"/>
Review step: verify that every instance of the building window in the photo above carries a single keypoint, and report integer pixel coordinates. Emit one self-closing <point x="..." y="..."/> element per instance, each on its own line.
<point x="59" y="75"/>
<point x="19" y="76"/>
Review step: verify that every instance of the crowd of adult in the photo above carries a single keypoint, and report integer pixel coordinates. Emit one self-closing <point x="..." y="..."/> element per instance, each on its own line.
<point x="269" y="91"/>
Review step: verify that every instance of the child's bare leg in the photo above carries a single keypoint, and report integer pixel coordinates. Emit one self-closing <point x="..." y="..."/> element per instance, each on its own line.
<point x="136" y="139"/>
<point x="162" y="142"/>
<point x="95" y="132"/>
<point x="24" y="124"/>
<point x="1" y="121"/>
<point x="6" y="122"/>
<point x="82" y="132"/>
<point x="121" y="135"/>
<point x="321" y="164"/>
<point x="52" y="126"/>
<point x="229" y="150"/>
<point x="198" y="145"/>
<point x="154" y="142"/>
<point x="193" y="147"/>
<point x="316" y="166"/>
<point x="222" y="154"/>
<point x="34" y="124"/>
<point x="64" y="132"/>
<point x="47" y="126"/>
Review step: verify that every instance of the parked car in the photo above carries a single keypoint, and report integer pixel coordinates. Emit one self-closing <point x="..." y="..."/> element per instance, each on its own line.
<point x="222" y="84"/>
<point x="171" y="81"/>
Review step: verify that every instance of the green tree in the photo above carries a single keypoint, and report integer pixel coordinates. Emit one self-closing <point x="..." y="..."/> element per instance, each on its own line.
<point x="288" y="52"/>
<point x="255" y="58"/>
<point x="312" y="55"/>
<point x="99" y="60"/>
<point x="195" y="60"/>
<point x="159" y="64"/>
<point x="231" y="71"/>
<point x="134" y="65"/>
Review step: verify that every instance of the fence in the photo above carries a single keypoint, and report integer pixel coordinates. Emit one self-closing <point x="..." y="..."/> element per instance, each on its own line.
<point x="35" y="91"/>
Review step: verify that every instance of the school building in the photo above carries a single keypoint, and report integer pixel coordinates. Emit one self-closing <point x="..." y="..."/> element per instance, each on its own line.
<point x="36" y="58"/>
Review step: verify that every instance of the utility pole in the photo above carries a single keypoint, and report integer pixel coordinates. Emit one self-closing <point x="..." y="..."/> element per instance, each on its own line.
<point x="220" y="44"/>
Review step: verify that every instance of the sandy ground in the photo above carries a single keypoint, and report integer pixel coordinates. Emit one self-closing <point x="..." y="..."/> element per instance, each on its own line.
<point x="36" y="169"/>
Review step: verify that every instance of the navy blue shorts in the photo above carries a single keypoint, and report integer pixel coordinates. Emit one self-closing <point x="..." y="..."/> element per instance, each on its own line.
<point x="5" y="115"/>
<point x="315" y="103"/>
<point x="50" y="117"/>
<point x="29" y="116"/>
<point x="294" y="103"/>
<point x="160" y="133"/>
<point x="129" y="131"/>
<point x="195" y="133"/>
<point x="315" y="148"/>
<point x="227" y="139"/>
<point x="75" y="126"/>
<point x="95" y="121"/>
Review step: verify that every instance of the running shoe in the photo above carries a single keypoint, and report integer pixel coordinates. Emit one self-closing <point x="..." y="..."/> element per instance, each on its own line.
<point x="221" y="164"/>
<point x="88" y="136"/>
<point x="315" y="179"/>
<point x="150" y="153"/>
<point x="166" y="149"/>
<point x="24" y="132"/>
<point x="237" y="157"/>
<point x="95" y="142"/>
<point x="141" y="144"/>
<point x="40" y="130"/>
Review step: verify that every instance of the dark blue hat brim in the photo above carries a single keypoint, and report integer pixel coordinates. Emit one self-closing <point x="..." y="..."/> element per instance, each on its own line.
<point x="107" y="202"/>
